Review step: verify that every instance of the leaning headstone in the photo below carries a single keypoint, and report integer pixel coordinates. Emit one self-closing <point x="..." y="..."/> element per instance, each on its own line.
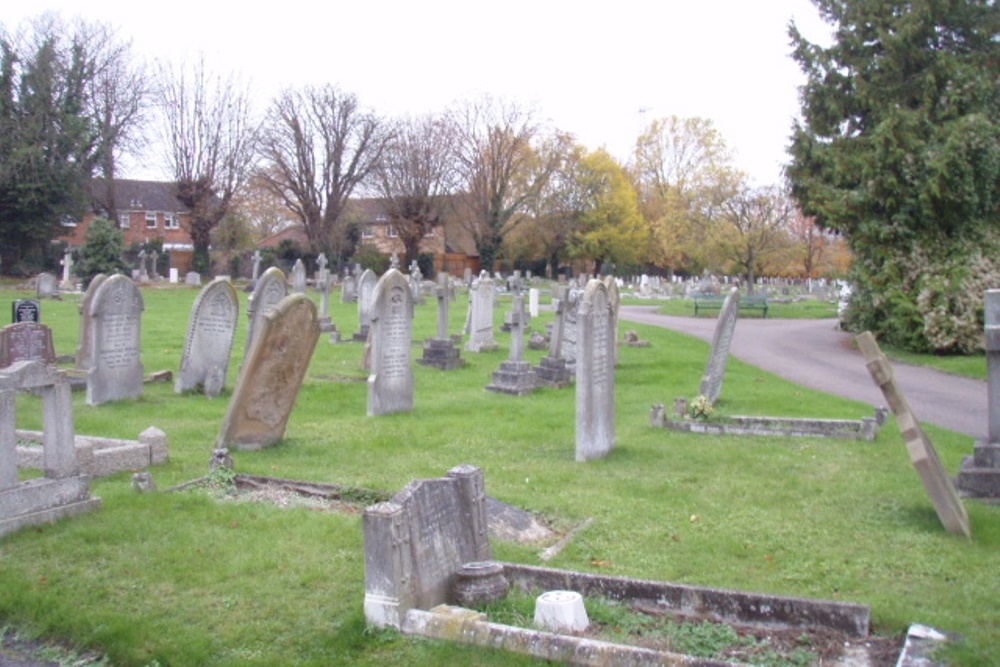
<point x="715" y="371"/>
<point x="390" y="385"/>
<point x="26" y="341"/>
<point x="980" y="473"/>
<point x="271" y="376"/>
<point x="267" y="293"/>
<point x="299" y="277"/>
<point x="595" y="375"/>
<point x="62" y="491"/>
<point x="366" y="290"/>
<point x="46" y="286"/>
<point x="440" y="351"/>
<point x="25" y="310"/>
<point x="614" y="298"/>
<point x="482" y="298"/>
<point x="83" y="358"/>
<point x="416" y="543"/>
<point x="516" y="376"/>
<point x="922" y="453"/>
<point x="115" y="341"/>
<point x="209" y="342"/>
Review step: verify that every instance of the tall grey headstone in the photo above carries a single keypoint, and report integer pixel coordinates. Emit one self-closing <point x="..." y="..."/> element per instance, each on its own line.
<point x="366" y="290"/>
<point x="980" y="473"/>
<point x="209" y="343"/>
<point x="115" y="341"/>
<point x="715" y="371"/>
<point x="271" y="375"/>
<point x="482" y="301"/>
<point x="595" y="374"/>
<point x="299" y="277"/>
<point x="83" y="360"/>
<point x="614" y="298"/>
<point x="390" y="385"/>
<point x="267" y="293"/>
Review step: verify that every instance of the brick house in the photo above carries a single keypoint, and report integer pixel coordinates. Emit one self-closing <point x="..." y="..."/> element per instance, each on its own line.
<point x="147" y="210"/>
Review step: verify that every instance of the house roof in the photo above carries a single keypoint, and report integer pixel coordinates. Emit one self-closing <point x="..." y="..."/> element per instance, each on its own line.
<point x="131" y="195"/>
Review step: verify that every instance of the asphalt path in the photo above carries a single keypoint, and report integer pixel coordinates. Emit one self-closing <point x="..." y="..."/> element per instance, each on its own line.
<point x="818" y="355"/>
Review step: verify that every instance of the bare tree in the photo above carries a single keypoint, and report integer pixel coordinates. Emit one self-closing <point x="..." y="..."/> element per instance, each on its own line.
<point x="499" y="168"/>
<point x="416" y="176"/>
<point x="210" y="137"/>
<point x="319" y="146"/>
<point x="753" y="230"/>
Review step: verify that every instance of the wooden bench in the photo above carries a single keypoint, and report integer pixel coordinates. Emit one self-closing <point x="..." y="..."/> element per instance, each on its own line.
<point x="715" y="301"/>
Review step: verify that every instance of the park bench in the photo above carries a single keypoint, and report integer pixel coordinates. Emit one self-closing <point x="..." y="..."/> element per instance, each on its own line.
<point x="715" y="301"/>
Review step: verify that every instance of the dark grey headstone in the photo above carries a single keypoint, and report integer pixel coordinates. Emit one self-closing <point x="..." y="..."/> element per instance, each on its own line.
<point x="25" y="310"/>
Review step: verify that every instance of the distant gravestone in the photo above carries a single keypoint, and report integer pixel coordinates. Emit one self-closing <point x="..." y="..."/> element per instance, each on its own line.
<point x="614" y="298"/>
<point x="980" y="473"/>
<point x="267" y="293"/>
<point x="271" y="376"/>
<point x="715" y="371"/>
<point x="83" y="349"/>
<point x="366" y="290"/>
<point x="416" y="543"/>
<point x="67" y="270"/>
<point x="533" y="297"/>
<point x="256" y="266"/>
<point x="349" y="289"/>
<point x="47" y="286"/>
<point x="390" y="385"/>
<point x="482" y="301"/>
<point x="115" y="341"/>
<point x="595" y="374"/>
<point x="143" y="272"/>
<point x="922" y="453"/>
<point x="552" y="370"/>
<point x="26" y="341"/>
<point x="440" y="351"/>
<point x="515" y="376"/>
<point x="209" y="343"/>
<point x="25" y="310"/>
<point x="569" y="335"/>
<point x="299" y="277"/>
<point x="192" y="279"/>
<point x="416" y="280"/>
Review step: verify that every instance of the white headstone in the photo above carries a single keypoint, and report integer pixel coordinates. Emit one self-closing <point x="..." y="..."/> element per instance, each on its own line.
<point x="533" y="294"/>
<point x="482" y="297"/>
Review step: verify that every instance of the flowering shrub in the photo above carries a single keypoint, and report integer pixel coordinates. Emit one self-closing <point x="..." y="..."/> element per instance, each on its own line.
<point x="701" y="408"/>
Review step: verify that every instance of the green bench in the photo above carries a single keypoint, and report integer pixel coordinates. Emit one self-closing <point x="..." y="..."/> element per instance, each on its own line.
<point x="715" y="301"/>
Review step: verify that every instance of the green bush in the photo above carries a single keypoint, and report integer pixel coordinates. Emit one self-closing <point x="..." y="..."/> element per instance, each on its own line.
<point x="102" y="252"/>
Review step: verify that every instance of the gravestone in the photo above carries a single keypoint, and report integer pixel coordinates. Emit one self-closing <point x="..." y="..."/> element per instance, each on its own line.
<point x="979" y="476"/>
<point x="267" y="293"/>
<point x="143" y="273"/>
<point x="299" y="277"/>
<point x="67" y="270"/>
<point x="46" y="286"/>
<point x="154" y="257"/>
<point x="416" y="280"/>
<point x="482" y="301"/>
<point x="440" y="352"/>
<point x="326" y="325"/>
<point x="416" y="543"/>
<point x="570" y="335"/>
<point x="533" y="296"/>
<point x="595" y="374"/>
<point x="366" y="290"/>
<point x="115" y="370"/>
<point x="394" y="261"/>
<point x="614" y="298"/>
<point x="271" y="375"/>
<point x="256" y="267"/>
<point x="715" y="371"/>
<point x="25" y="310"/>
<point x="192" y="279"/>
<point x="83" y="348"/>
<point x="62" y="491"/>
<point x="322" y="274"/>
<point x="349" y="288"/>
<point x="209" y="343"/>
<point x="516" y="375"/>
<point x="552" y="370"/>
<point x="390" y="385"/>
<point x="26" y="341"/>
<point x="922" y="453"/>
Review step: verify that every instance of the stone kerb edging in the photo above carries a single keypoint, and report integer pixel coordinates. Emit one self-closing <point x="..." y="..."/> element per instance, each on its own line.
<point x="848" y="429"/>
<point x="100" y="457"/>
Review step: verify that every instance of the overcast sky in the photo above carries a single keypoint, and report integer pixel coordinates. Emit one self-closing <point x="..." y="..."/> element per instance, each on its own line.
<point x="597" y="70"/>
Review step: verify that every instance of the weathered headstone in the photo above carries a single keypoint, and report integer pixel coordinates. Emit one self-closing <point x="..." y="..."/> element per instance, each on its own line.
<point x="154" y="257"/>
<point x="715" y="371"/>
<point x="26" y="341"/>
<point x="482" y="299"/>
<point x="349" y="288"/>
<point x="516" y="376"/>
<point x="366" y="290"/>
<point x="271" y="376"/>
<point x="83" y="349"/>
<point x="614" y="298"/>
<point x="267" y="293"/>
<point x="256" y="266"/>
<point x="115" y="341"/>
<point x="533" y="298"/>
<point x="322" y="274"/>
<point x="570" y="334"/>
<point x="416" y="280"/>
<point x="595" y="374"/>
<point x="440" y="351"/>
<point x="552" y="370"/>
<point x="417" y="542"/>
<point x="299" y="277"/>
<point x="980" y="473"/>
<point x="46" y="286"/>
<point x="394" y="261"/>
<point x="209" y="342"/>
<point x="62" y="491"/>
<point x="192" y="279"/>
<point x="922" y="453"/>
<point x="390" y="385"/>
<point x="143" y="272"/>
<point x="67" y="270"/>
<point x="25" y="310"/>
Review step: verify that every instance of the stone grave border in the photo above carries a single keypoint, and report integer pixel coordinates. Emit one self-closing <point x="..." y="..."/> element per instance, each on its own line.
<point x="865" y="428"/>
<point x="100" y="457"/>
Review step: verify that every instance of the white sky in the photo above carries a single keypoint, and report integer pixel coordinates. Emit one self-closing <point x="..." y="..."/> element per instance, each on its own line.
<point x="597" y="70"/>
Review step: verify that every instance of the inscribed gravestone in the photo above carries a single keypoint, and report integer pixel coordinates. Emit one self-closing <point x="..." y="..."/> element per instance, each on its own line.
<point x="299" y="277"/>
<point x="25" y="310"/>
<point x="47" y="285"/>
<point x="83" y="360"/>
<point x="595" y="374"/>
<point x="366" y="289"/>
<point x="417" y="542"/>
<point x="922" y="453"/>
<point x="271" y="376"/>
<point x="267" y="293"/>
<point x="209" y="342"/>
<point x="715" y="371"/>
<point x="614" y="298"/>
<point x="26" y="341"/>
<point x="569" y="328"/>
<point x="115" y="342"/>
<point x="482" y="298"/>
<point x="390" y="385"/>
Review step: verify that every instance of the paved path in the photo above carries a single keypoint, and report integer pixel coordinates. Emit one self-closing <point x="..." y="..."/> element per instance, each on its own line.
<point x="818" y="355"/>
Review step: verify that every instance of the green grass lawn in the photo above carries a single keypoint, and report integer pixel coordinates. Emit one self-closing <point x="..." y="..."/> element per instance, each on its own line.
<point x="183" y="578"/>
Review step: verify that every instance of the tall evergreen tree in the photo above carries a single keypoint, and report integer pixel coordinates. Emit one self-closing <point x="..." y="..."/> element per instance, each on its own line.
<point x="899" y="149"/>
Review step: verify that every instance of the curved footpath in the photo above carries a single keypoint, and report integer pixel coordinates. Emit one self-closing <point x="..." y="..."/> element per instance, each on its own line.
<point x="818" y="355"/>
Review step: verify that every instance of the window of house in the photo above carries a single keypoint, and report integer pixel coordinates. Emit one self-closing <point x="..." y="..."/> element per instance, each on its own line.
<point x="391" y="231"/>
<point x="151" y="220"/>
<point x="367" y="232"/>
<point x="170" y="221"/>
<point x="124" y="220"/>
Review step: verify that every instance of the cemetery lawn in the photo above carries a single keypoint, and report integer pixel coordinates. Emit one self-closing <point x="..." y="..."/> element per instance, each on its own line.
<point x="190" y="578"/>
<point x="776" y="308"/>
